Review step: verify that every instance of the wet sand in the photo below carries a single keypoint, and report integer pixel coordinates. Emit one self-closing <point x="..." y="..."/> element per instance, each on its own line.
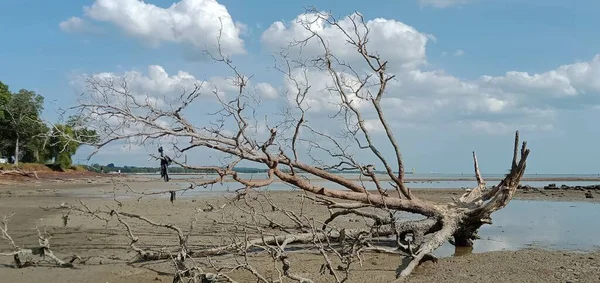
<point x="107" y="253"/>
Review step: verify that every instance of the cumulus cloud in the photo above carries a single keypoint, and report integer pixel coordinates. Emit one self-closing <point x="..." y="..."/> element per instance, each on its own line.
<point x="321" y="96"/>
<point x="436" y="98"/>
<point x="156" y="83"/>
<point x="419" y="96"/>
<point x="195" y="24"/>
<point x="497" y="105"/>
<point x="163" y="90"/>
<point x="443" y="3"/>
<point x="415" y="96"/>
<point x="148" y="94"/>
<point x="568" y="80"/>
<point x="155" y="88"/>
<point x="397" y="42"/>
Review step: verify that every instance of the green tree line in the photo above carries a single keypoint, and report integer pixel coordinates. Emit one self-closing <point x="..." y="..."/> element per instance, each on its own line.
<point x="151" y="170"/>
<point x="25" y="137"/>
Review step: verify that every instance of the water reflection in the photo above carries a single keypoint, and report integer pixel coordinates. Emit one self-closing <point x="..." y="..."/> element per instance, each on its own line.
<point x="540" y="224"/>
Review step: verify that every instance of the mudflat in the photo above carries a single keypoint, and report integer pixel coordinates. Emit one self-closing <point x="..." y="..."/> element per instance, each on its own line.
<point x="106" y="255"/>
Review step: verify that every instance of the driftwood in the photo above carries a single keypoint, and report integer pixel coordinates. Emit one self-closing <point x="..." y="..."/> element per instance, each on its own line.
<point x="20" y="172"/>
<point x="113" y="111"/>
<point x="24" y="257"/>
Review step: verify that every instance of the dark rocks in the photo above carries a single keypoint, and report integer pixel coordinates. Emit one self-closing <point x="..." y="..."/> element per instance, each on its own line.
<point x="589" y="190"/>
<point x="527" y="188"/>
<point x="566" y="188"/>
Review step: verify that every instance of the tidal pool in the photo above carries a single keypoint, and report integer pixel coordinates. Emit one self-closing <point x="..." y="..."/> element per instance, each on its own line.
<point x="538" y="224"/>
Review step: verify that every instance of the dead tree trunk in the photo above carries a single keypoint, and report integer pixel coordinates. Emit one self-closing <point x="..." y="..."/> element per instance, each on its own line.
<point x="114" y="111"/>
<point x="16" y="163"/>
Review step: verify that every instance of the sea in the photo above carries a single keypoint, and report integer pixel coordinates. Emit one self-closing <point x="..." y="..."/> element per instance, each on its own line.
<point x="418" y="180"/>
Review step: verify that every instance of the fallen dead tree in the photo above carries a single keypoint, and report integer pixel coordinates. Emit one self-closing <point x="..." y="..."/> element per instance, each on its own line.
<point x="121" y="115"/>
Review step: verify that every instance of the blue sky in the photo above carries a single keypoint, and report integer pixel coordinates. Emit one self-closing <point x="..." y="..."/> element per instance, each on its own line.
<point x="555" y="109"/>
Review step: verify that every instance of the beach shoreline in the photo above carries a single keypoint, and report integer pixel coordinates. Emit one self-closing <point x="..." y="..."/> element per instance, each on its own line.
<point x="107" y="247"/>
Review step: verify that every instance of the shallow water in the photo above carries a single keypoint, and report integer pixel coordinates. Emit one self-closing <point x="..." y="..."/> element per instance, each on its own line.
<point x="278" y="186"/>
<point x="431" y="176"/>
<point x="540" y="224"/>
<point x="436" y="181"/>
<point x="522" y="224"/>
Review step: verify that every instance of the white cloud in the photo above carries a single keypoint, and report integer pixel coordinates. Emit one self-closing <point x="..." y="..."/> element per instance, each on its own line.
<point x="546" y="83"/>
<point x="374" y="126"/>
<point x="436" y="97"/>
<point x="499" y="128"/>
<point x="321" y="96"/>
<point x="157" y="83"/>
<point x="192" y="23"/>
<point x="267" y="91"/>
<point x="415" y="96"/>
<point x="459" y="53"/>
<point x="162" y="91"/>
<point x="397" y="42"/>
<point x="243" y="28"/>
<point x="443" y="3"/>
<point x="432" y="96"/>
<point x="498" y="105"/>
<point x="77" y="25"/>
<point x="516" y="100"/>
<point x="73" y="24"/>
<point x="568" y="80"/>
<point x="155" y="88"/>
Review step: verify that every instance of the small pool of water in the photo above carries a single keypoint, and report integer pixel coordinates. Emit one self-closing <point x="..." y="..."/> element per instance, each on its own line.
<point x="540" y="224"/>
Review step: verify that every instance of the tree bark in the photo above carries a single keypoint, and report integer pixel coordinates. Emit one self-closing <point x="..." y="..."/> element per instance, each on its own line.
<point x="17" y="151"/>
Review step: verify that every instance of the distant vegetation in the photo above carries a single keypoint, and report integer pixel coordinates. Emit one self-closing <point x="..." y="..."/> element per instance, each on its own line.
<point x="27" y="138"/>
<point x="151" y="170"/>
<point x="180" y="170"/>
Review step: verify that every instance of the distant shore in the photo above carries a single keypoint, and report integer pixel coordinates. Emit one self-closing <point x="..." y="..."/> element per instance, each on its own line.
<point x="432" y="177"/>
<point x="86" y="177"/>
<point x="99" y="186"/>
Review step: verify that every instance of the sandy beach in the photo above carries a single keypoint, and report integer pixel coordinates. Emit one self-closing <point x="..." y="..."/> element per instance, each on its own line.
<point x="106" y="255"/>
